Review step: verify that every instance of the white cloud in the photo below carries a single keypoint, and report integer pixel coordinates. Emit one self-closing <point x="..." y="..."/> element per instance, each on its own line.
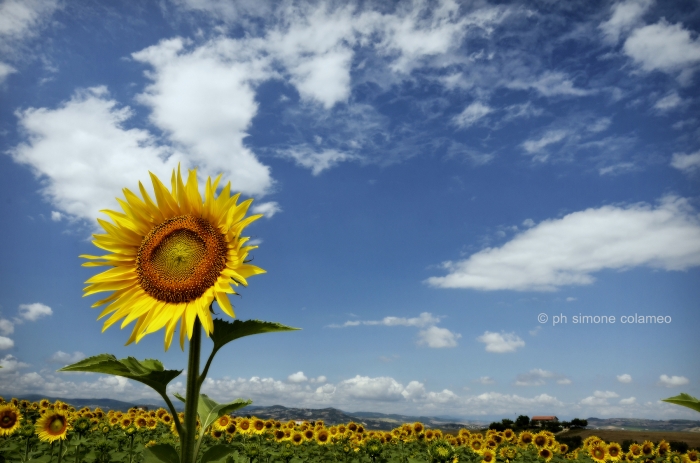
<point x="35" y="311"/>
<point x="501" y="343"/>
<point x="535" y="377"/>
<point x="628" y="401"/>
<point x="564" y="381"/>
<point x="298" y="377"/>
<point x="525" y="110"/>
<point x="5" y="70"/>
<point x="599" y="125"/>
<point x="471" y="114"/>
<point x="6" y="327"/>
<point x="550" y="83"/>
<point x="20" y="19"/>
<point x="624" y="378"/>
<point x="204" y="100"/>
<point x="566" y="251"/>
<point x="550" y="137"/>
<point x="670" y="101"/>
<point x="225" y="9"/>
<point x="570" y="299"/>
<point x="485" y="380"/>
<point x="625" y="15"/>
<point x="364" y="387"/>
<point x="268" y="209"/>
<point x="686" y="162"/>
<point x="6" y="343"/>
<point x="64" y="358"/>
<point x="79" y="182"/>
<point x="535" y="331"/>
<point x="438" y="337"/>
<point x="56" y="216"/>
<point x="317" y="161"/>
<point x="673" y="381"/>
<point x="424" y="319"/>
<point x="664" y="47"/>
<point x="599" y="398"/>
<point x="528" y="223"/>
<point x="10" y="364"/>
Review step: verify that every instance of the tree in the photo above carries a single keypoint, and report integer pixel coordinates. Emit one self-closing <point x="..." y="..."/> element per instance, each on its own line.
<point x="577" y="423"/>
<point x="497" y="426"/>
<point x="507" y="424"/>
<point x="522" y="422"/>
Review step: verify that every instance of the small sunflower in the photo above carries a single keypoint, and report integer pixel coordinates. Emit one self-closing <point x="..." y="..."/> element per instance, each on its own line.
<point x="308" y="434"/>
<point x="674" y="457"/>
<point x="635" y="450"/>
<point x="244" y="425"/>
<point x="691" y="456"/>
<point x="10" y="417"/>
<point x="222" y="422"/>
<point x="563" y="448"/>
<point x="540" y="440"/>
<point x="258" y="426"/>
<point x="52" y="426"/>
<point x="663" y="449"/>
<point x="323" y="436"/>
<point x="508" y="452"/>
<point x="170" y="259"/>
<point x="477" y="446"/>
<point x="279" y="435"/>
<point x="297" y="438"/>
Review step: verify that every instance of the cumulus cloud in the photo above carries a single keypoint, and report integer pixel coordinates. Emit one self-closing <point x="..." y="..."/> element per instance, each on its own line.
<point x="686" y="162"/>
<point x="624" y="378"/>
<point x="628" y="401"/>
<point x="65" y="358"/>
<point x="485" y="380"/>
<point x="35" y="311"/>
<point x="21" y="19"/>
<point x="6" y="327"/>
<point x="10" y="364"/>
<point x="424" y="319"/>
<point x="268" y="209"/>
<point x="567" y="251"/>
<point x="298" y="377"/>
<point x="599" y="398"/>
<point x="625" y="16"/>
<point x="438" y="337"/>
<point x="471" y="114"/>
<point x="5" y="70"/>
<point x="6" y="343"/>
<point x="673" y="381"/>
<point x="664" y="47"/>
<point x="78" y="182"/>
<point x="535" y="377"/>
<point x="501" y="343"/>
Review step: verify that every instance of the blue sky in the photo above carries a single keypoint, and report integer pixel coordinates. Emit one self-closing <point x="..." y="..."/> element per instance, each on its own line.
<point x="434" y="177"/>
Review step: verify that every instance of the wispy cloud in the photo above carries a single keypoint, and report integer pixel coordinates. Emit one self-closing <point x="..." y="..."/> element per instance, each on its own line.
<point x="501" y="343"/>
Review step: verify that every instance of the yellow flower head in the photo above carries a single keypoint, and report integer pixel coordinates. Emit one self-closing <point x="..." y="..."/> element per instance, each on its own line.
<point x="170" y="259"/>
<point x="599" y="452"/>
<point x="614" y="451"/>
<point x="9" y="419"/>
<point x="52" y="426"/>
<point x="545" y="454"/>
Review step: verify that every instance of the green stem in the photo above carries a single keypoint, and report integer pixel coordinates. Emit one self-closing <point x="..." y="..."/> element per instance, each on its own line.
<point x="187" y="439"/>
<point x="60" y="451"/>
<point x="77" y="452"/>
<point x="131" y="448"/>
<point x="26" y="450"/>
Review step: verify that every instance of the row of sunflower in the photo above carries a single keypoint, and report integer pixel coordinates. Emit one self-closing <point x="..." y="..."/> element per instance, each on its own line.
<point x="30" y="431"/>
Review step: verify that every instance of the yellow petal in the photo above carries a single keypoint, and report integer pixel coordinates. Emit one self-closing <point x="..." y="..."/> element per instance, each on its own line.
<point x="225" y="304"/>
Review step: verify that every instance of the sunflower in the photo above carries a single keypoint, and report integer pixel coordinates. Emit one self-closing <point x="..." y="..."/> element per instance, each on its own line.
<point x="52" y="426"/>
<point x="525" y="438"/>
<point x="590" y="440"/>
<point x="258" y="425"/>
<point x="231" y="429"/>
<point x="635" y="450"/>
<point x="222" y="422"/>
<point x="323" y="436"/>
<point x="663" y="449"/>
<point x="674" y="457"/>
<point x="691" y="456"/>
<point x="614" y="451"/>
<point x="599" y="452"/>
<point x="648" y="449"/>
<point x="418" y="427"/>
<point x="477" y="446"/>
<point x="244" y="425"/>
<point x="488" y="456"/>
<point x="9" y="419"/>
<point x="297" y="438"/>
<point x="170" y="259"/>
<point x="508" y="452"/>
<point x="540" y="440"/>
<point x="279" y="435"/>
<point x="563" y="448"/>
<point x="545" y="454"/>
<point x="309" y="434"/>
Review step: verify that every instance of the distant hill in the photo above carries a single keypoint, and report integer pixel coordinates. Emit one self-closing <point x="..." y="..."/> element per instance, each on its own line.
<point x="642" y="424"/>
<point x="104" y="404"/>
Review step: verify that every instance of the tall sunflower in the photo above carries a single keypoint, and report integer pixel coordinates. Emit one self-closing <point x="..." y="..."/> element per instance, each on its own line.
<point x="170" y="259"/>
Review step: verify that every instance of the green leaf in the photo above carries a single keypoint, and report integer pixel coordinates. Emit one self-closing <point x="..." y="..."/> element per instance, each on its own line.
<point x="216" y="452"/>
<point x="209" y="411"/>
<point x="226" y="331"/>
<point x="685" y="400"/>
<point x="161" y="453"/>
<point x="149" y="371"/>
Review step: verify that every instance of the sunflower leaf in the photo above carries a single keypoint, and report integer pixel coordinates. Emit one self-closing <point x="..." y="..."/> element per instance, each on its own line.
<point x="685" y="400"/>
<point x="210" y="411"/>
<point x="149" y="372"/>
<point x="226" y="331"/>
<point x="161" y="453"/>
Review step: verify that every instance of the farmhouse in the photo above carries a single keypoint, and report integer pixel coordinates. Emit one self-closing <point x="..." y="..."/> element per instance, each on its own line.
<point x="550" y="418"/>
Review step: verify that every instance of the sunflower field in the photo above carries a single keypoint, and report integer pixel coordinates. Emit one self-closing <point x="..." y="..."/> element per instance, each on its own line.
<point x="45" y="432"/>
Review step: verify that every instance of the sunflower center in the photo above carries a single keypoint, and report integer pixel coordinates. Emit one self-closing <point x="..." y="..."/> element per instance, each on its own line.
<point x="56" y="426"/>
<point x="180" y="259"/>
<point x="8" y="420"/>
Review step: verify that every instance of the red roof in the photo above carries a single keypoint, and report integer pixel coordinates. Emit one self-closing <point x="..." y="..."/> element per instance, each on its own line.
<point x="544" y="418"/>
